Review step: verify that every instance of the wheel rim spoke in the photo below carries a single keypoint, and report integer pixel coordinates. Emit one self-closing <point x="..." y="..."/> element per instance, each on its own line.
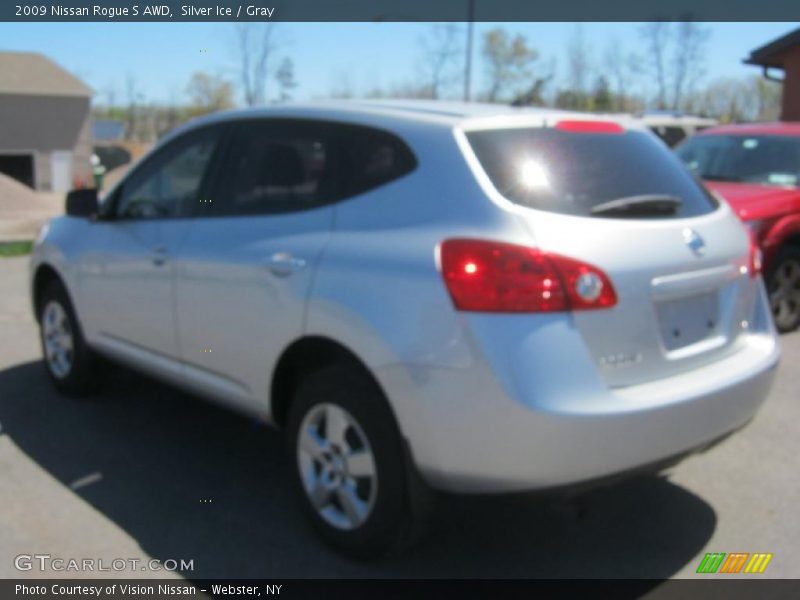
<point x="336" y="425"/>
<point x="65" y="342"/>
<point x="311" y="442"/>
<point x="319" y="494"/>
<point x="360" y="464"/>
<point x="354" y="508"/>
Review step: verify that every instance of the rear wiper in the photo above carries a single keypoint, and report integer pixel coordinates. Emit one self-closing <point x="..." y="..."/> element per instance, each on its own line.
<point x="642" y="205"/>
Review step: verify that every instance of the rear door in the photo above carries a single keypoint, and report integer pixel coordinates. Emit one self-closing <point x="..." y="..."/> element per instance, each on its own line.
<point x="248" y="261"/>
<point x="678" y="272"/>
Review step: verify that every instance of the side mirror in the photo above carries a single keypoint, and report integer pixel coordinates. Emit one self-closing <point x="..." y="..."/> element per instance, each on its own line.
<point x="82" y="203"/>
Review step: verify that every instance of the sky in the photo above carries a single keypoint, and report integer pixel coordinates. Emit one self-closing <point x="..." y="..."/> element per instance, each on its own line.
<point x="161" y="57"/>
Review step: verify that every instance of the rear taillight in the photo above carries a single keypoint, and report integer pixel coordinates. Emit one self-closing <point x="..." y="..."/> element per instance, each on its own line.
<point x="498" y="277"/>
<point x="756" y="257"/>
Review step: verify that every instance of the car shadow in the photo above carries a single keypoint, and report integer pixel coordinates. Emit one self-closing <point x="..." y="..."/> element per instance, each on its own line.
<point x="190" y="480"/>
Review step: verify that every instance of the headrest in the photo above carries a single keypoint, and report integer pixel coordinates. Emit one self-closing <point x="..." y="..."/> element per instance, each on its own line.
<point x="282" y="166"/>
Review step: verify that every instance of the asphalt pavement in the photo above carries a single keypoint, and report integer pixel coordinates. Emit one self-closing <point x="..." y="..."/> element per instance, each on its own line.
<point x="141" y="471"/>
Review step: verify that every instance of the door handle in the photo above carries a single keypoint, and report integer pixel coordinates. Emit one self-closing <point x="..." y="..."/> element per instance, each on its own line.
<point x="159" y="255"/>
<point x="283" y="264"/>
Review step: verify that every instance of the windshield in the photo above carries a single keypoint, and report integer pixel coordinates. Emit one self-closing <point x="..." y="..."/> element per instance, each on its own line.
<point x="768" y="160"/>
<point x="574" y="173"/>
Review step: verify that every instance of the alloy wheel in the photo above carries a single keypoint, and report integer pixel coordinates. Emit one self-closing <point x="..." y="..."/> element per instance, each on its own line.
<point x="784" y="293"/>
<point x="58" y="339"/>
<point x="337" y="466"/>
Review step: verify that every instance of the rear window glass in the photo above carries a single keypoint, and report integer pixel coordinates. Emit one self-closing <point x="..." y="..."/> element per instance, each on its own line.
<point x="767" y="160"/>
<point x="572" y="173"/>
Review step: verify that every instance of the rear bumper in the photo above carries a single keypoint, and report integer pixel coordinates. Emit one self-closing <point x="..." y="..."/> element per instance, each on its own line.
<point x="469" y="431"/>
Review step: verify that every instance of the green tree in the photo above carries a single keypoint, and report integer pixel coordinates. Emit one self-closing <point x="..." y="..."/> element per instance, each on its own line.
<point x="209" y="93"/>
<point x="603" y="100"/>
<point x="508" y="63"/>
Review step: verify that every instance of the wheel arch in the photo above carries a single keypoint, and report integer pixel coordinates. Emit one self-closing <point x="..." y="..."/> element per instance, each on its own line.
<point x="307" y="355"/>
<point x="45" y="275"/>
<point x="784" y="233"/>
<point x="792" y="241"/>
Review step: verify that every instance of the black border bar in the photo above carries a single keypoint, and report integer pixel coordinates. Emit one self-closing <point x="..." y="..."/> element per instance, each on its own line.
<point x="712" y="587"/>
<point x="401" y="10"/>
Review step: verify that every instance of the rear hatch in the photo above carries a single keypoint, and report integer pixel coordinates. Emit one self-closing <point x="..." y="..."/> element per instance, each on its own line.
<point x="619" y="200"/>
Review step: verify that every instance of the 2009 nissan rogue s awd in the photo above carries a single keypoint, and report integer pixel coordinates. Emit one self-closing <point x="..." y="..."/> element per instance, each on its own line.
<point x="423" y="296"/>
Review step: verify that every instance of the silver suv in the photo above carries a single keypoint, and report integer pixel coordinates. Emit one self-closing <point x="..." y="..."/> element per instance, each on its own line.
<point x="423" y="296"/>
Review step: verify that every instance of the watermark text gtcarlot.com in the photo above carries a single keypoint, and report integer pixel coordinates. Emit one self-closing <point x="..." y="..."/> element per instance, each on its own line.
<point x="46" y="562"/>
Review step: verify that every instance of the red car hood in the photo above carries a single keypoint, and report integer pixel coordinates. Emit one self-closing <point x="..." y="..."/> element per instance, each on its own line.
<point x="752" y="201"/>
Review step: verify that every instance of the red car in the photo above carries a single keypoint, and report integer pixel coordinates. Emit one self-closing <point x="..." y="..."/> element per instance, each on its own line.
<point x="756" y="168"/>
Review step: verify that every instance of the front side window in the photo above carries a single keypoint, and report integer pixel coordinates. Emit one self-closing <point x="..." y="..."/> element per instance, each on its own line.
<point x="762" y="159"/>
<point x="168" y="186"/>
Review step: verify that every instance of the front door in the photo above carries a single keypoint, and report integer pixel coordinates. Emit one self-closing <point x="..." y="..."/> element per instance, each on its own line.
<point x="128" y="279"/>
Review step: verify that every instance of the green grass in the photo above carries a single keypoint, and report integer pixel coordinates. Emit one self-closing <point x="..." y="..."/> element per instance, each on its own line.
<point x="8" y="249"/>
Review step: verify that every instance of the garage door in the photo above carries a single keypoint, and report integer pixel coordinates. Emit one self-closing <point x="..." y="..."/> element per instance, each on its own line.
<point x="19" y="167"/>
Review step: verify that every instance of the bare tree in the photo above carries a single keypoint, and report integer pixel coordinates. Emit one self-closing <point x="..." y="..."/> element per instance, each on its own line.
<point x="768" y="95"/>
<point x="622" y="70"/>
<point x="172" y="114"/>
<point x="656" y="35"/>
<point x="255" y="47"/>
<point x="110" y="92"/>
<point x="687" y="63"/>
<point x="508" y="62"/>
<point x="132" y="112"/>
<point x="727" y="99"/>
<point x="441" y="49"/>
<point x="733" y="100"/>
<point x="342" y="86"/>
<point x="578" y="61"/>
<point x="285" y="78"/>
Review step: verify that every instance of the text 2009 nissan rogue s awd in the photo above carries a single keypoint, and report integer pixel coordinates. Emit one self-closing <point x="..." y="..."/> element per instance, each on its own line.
<point x="457" y="297"/>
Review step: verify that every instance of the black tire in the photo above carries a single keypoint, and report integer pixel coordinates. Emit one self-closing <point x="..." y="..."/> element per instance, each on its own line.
<point x="402" y="501"/>
<point x="79" y="378"/>
<point x="783" y="286"/>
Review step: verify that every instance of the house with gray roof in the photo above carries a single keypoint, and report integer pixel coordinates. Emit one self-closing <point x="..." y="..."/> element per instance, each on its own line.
<point x="45" y="123"/>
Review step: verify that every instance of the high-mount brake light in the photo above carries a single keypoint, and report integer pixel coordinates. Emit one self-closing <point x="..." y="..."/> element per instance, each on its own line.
<point x="579" y="126"/>
<point x="487" y="276"/>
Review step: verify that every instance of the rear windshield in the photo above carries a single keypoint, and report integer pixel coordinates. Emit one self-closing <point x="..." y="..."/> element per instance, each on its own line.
<point x="763" y="159"/>
<point x="572" y="173"/>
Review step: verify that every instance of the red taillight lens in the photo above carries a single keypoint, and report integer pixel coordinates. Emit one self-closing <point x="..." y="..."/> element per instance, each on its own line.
<point x="497" y="277"/>
<point x="577" y="126"/>
<point x="756" y="258"/>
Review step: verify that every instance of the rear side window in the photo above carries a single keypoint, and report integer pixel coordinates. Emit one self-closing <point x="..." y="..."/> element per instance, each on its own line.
<point x="288" y="165"/>
<point x="572" y="173"/>
<point x="373" y="158"/>
<point x="275" y="167"/>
